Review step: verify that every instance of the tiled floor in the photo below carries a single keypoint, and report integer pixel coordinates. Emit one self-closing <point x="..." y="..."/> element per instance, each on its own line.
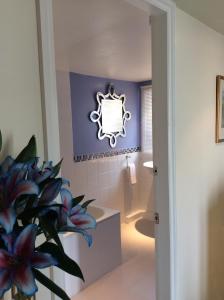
<point x="134" y="279"/>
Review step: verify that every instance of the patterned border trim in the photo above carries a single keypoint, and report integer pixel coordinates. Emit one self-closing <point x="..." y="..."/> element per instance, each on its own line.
<point x="79" y="158"/>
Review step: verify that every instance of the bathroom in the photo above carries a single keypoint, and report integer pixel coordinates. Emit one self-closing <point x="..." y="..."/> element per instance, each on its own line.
<point x="107" y="50"/>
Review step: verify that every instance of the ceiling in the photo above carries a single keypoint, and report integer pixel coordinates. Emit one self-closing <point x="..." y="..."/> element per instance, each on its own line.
<point x="107" y="38"/>
<point x="209" y="12"/>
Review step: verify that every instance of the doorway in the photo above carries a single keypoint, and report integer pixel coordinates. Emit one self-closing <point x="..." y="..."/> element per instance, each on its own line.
<point x="162" y="24"/>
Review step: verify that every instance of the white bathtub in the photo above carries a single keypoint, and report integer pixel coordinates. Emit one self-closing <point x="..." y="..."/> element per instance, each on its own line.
<point x="102" y="257"/>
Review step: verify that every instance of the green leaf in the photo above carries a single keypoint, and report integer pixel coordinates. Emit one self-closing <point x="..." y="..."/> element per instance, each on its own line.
<point x="30" y="201"/>
<point x="29" y="152"/>
<point x="64" y="262"/>
<point x="26" y="201"/>
<point x="57" y="168"/>
<point x="77" y="200"/>
<point x="46" y="182"/>
<point x="34" y="212"/>
<point x="85" y="204"/>
<point x="50" y="230"/>
<point x="51" y="191"/>
<point x="0" y="140"/>
<point x="49" y="284"/>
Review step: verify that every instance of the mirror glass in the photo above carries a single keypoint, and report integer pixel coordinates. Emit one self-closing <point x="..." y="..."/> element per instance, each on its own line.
<point x="112" y="120"/>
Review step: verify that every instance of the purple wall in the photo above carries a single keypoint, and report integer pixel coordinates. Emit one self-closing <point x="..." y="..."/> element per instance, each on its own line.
<point x="83" y="101"/>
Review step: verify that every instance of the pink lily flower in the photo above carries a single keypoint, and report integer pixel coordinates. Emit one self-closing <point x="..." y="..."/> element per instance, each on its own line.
<point x="16" y="264"/>
<point x="13" y="185"/>
<point x="76" y="218"/>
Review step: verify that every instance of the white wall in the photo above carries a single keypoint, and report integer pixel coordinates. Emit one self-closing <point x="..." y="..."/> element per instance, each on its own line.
<point x="20" y="112"/>
<point x="20" y="98"/>
<point x="200" y="162"/>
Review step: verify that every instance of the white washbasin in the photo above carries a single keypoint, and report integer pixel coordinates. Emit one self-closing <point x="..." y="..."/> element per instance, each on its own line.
<point x="148" y="164"/>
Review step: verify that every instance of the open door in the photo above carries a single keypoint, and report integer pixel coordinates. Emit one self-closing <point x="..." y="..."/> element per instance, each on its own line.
<point x="160" y="155"/>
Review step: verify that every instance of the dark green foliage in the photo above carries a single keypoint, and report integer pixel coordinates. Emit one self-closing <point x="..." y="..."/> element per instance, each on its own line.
<point x="86" y="204"/>
<point x="50" y="230"/>
<point x="77" y="200"/>
<point x="49" y="284"/>
<point x="35" y="212"/>
<point x="64" y="262"/>
<point x="57" y="168"/>
<point x="29" y="152"/>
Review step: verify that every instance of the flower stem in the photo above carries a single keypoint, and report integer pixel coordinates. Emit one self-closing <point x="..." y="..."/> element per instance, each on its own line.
<point x="17" y="295"/>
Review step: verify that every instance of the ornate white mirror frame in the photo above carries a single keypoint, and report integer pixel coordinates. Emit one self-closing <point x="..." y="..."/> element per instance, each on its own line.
<point x="111" y="125"/>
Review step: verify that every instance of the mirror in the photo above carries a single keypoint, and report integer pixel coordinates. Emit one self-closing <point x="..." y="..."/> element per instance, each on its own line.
<point x="111" y="116"/>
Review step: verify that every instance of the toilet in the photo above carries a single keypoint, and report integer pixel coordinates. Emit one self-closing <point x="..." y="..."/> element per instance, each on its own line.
<point x="145" y="225"/>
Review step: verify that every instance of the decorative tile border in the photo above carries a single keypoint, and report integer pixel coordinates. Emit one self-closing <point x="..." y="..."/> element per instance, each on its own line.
<point x="79" y="158"/>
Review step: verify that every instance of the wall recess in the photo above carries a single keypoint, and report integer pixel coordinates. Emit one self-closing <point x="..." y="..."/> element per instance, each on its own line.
<point x="111" y="116"/>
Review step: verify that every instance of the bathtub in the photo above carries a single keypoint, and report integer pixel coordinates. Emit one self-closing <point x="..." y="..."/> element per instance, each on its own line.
<point x="102" y="257"/>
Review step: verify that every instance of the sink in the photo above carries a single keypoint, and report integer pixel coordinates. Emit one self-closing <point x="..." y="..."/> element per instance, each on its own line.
<point x="148" y="164"/>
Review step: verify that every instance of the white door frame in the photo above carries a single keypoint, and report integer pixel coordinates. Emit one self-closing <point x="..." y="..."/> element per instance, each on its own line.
<point x="51" y="121"/>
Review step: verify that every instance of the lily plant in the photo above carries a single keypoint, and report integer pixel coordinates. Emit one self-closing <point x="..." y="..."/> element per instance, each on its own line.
<point x="36" y="201"/>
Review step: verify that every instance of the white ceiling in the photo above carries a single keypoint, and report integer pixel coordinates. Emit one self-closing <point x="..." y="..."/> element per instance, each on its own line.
<point x="107" y="38"/>
<point x="209" y="12"/>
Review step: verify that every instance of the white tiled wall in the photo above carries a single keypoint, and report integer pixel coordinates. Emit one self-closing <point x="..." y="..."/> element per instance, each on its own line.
<point x="106" y="179"/>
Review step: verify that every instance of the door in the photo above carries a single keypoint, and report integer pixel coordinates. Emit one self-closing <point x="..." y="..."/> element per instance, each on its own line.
<point x="160" y="154"/>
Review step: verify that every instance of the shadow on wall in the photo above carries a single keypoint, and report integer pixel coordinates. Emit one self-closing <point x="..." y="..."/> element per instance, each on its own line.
<point x="215" y="277"/>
